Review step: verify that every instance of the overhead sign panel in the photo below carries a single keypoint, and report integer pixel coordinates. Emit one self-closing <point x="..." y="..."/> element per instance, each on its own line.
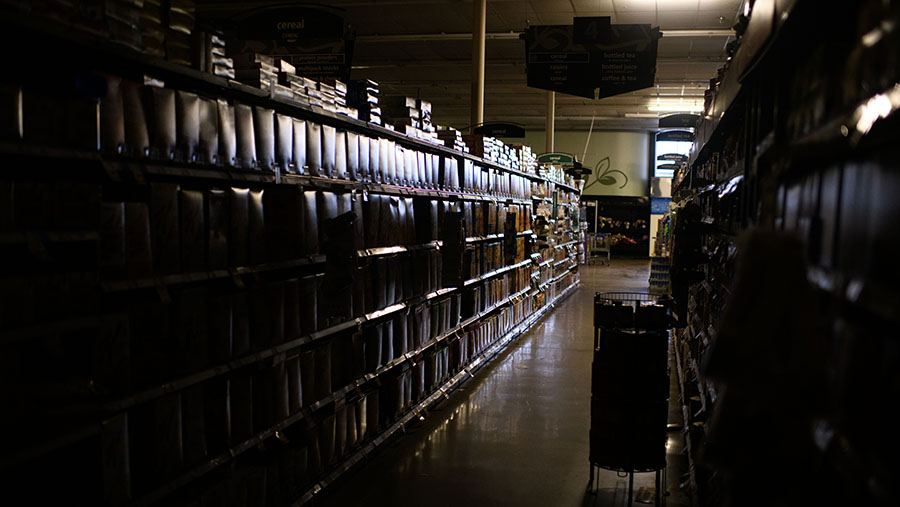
<point x="675" y="157"/>
<point x="556" y="158"/>
<point x="680" y="120"/>
<point x="669" y="166"/>
<point x="309" y="37"/>
<point x="676" y="135"/>
<point x="498" y="129"/>
<point x="591" y="58"/>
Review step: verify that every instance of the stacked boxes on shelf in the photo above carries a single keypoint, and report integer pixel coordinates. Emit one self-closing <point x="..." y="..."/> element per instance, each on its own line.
<point x="256" y="69"/>
<point x="401" y="112"/>
<point x="452" y="138"/>
<point x="210" y="55"/>
<point x="409" y="116"/>
<point x="299" y="85"/>
<point x="180" y="20"/>
<point x="152" y="31"/>
<point x="123" y="21"/>
<point x="341" y="104"/>
<point x="425" y="109"/>
<point x="526" y="158"/>
<point x="363" y="95"/>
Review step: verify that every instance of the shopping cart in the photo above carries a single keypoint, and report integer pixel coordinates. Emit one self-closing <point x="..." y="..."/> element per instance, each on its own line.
<point x="630" y="386"/>
<point x="599" y="248"/>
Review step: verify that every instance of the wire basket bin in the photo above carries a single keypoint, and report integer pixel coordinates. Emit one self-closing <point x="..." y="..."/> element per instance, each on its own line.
<point x="632" y="310"/>
<point x="630" y="384"/>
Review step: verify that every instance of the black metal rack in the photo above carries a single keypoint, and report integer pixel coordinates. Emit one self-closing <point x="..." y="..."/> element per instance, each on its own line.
<point x="630" y="386"/>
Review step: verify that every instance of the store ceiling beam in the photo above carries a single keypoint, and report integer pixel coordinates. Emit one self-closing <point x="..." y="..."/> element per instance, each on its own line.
<point x="392" y="64"/>
<point x="441" y="37"/>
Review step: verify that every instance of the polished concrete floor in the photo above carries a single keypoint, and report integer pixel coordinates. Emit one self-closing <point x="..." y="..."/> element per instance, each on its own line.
<point x="517" y="433"/>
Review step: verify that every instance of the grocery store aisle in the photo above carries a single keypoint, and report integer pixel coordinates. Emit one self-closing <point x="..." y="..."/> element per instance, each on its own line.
<point x="517" y="434"/>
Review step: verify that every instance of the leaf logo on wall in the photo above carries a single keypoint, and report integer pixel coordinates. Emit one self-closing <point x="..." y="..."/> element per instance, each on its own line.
<point x="605" y="176"/>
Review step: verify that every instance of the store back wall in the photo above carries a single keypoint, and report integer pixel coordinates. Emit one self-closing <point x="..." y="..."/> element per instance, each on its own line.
<point x="619" y="160"/>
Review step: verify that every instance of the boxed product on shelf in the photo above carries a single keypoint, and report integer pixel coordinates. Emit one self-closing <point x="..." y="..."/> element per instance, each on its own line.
<point x="373" y="341"/>
<point x="329" y="150"/>
<point x="313" y="148"/>
<point x="122" y="19"/>
<point x="152" y="32"/>
<point x="424" y="108"/>
<point x="245" y="136"/>
<point x="264" y="135"/>
<point x="363" y="95"/>
<point x="180" y="18"/>
<point x="209" y="54"/>
<point x="207" y="148"/>
<point x="452" y="138"/>
<point x="112" y="115"/>
<point x="227" y="133"/>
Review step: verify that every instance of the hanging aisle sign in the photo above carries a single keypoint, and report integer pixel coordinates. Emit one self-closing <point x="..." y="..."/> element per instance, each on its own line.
<point x="310" y="37"/>
<point x="556" y="159"/>
<point x="591" y="58"/>
<point x="674" y="157"/>
<point x="675" y="135"/>
<point x="498" y="129"/>
<point x="680" y="120"/>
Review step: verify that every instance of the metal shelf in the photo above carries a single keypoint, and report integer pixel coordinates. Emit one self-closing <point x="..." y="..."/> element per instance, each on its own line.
<point x="26" y="237"/>
<point x="390" y="250"/>
<point x="439" y="394"/>
<point x="496" y="272"/>
<point x="205" y="276"/>
<point x="573" y="242"/>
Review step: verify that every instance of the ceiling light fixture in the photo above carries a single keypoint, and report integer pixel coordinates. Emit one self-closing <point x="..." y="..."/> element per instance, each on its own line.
<point x="673" y="106"/>
<point x="676" y="108"/>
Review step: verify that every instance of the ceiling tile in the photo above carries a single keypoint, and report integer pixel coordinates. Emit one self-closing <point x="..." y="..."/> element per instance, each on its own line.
<point x="557" y="6"/>
<point x="593" y="5"/>
<point x="634" y="5"/>
<point x="678" y="19"/>
<point x="636" y="17"/>
<point x="676" y="5"/>
<point x="711" y="18"/>
<point x="555" y="18"/>
<point x="669" y="46"/>
<point x="728" y="5"/>
<point x="709" y="46"/>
